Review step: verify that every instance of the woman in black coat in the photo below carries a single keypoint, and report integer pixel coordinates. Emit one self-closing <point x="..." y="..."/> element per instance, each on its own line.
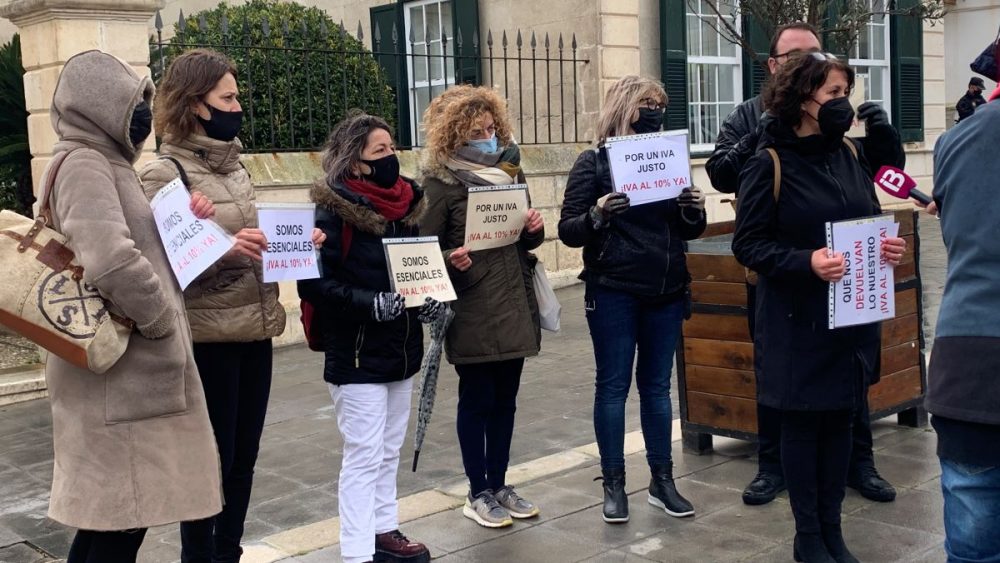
<point x="373" y="344"/>
<point x="814" y="375"/>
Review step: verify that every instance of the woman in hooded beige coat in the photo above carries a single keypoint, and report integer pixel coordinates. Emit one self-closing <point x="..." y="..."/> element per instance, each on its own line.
<point x="133" y="446"/>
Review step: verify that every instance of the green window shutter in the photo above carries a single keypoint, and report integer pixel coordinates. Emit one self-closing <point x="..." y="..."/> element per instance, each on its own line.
<point x="835" y="43"/>
<point x="389" y="47"/>
<point x="673" y="61"/>
<point x="907" y="72"/>
<point x="465" y="27"/>
<point x="755" y="72"/>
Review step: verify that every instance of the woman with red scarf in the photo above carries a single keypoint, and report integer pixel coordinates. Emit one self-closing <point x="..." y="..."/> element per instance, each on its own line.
<point x="373" y="344"/>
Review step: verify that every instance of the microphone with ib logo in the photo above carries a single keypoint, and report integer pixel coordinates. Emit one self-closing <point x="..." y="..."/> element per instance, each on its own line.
<point x="897" y="183"/>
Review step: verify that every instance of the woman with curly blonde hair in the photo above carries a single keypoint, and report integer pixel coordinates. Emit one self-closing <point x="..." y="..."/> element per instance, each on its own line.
<point x="496" y="326"/>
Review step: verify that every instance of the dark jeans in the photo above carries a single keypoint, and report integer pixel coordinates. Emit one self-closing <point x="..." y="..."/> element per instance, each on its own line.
<point x="487" y="401"/>
<point x="620" y="324"/>
<point x="815" y="453"/>
<point x="106" y="547"/>
<point x="237" y="381"/>
<point x="769" y="423"/>
<point x="971" y="512"/>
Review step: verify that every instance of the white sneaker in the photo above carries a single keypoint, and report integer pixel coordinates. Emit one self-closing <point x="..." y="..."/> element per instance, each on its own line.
<point x="486" y="511"/>
<point x="516" y="505"/>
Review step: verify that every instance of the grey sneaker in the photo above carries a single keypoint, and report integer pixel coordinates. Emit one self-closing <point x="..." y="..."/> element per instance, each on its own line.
<point x="486" y="511"/>
<point x="516" y="505"/>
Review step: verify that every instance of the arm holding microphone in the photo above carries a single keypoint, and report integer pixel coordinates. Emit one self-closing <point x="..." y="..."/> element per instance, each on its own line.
<point x="899" y="184"/>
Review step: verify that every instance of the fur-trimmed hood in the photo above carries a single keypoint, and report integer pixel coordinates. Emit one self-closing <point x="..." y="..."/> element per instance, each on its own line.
<point x="358" y="211"/>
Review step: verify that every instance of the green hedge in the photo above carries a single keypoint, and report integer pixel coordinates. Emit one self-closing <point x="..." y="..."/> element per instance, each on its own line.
<point x="293" y="79"/>
<point x="15" y="157"/>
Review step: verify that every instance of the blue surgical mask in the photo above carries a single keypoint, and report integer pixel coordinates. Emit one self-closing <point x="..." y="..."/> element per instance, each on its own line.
<point x="485" y="145"/>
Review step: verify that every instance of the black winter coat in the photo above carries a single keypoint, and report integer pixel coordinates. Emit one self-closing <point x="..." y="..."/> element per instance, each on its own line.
<point x="741" y="133"/>
<point x="359" y="349"/>
<point x="641" y="251"/>
<point x="799" y="362"/>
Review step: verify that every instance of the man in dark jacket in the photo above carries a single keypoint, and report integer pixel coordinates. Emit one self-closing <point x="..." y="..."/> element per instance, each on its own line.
<point x="972" y="99"/>
<point x="737" y="143"/>
<point x="963" y="386"/>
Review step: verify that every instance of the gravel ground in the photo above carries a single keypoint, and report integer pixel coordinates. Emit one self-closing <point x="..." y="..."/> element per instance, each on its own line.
<point x="16" y="351"/>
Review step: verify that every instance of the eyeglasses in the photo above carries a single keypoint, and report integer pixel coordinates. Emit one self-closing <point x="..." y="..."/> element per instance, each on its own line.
<point x="822" y="57"/>
<point x="650" y="103"/>
<point x="818" y="55"/>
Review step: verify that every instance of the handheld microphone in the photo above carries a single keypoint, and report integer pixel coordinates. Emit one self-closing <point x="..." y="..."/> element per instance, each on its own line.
<point x="897" y="183"/>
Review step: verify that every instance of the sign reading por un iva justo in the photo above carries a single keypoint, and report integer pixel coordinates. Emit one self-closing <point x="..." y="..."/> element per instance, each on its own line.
<point x="867" y="292"/>
<point x="650" y="167"/>
<point x="290" y="253"/>
<point x="191" y="244"/>
<point x="495" y="216"/>
<point x="417" y="270"/>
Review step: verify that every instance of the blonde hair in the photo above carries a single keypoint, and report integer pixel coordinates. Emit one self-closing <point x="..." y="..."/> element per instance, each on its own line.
<point x="621" y="101"/>
<point x="451" y="116"/>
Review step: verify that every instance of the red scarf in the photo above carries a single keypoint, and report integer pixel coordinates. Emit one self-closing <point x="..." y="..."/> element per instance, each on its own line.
<point x="995" y="94"/>
<point x="392" y="203"/>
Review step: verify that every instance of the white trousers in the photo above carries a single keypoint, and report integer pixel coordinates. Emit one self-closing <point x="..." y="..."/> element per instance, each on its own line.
<point x="372" y="420"/>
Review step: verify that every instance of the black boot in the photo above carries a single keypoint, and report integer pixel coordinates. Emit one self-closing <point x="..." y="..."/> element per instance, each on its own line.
<point x="615" y="499"/>
<point x="809" y="548"/>
<point x="833" y="538"/>
<point x="764" y="487"/>
<point x="663" y="493"/>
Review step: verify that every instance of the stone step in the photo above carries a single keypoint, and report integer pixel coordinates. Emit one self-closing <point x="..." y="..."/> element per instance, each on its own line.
<point x="22" y="383"/>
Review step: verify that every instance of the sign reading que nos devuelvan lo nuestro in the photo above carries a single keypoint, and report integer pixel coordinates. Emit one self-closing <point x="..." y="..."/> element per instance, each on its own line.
<point x="867" y="292"/>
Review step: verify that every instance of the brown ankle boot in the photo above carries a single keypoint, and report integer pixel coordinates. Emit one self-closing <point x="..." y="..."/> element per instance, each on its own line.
<point x="394" y="547"/>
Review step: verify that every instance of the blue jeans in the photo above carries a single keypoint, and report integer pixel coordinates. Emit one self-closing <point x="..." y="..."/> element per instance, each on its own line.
<point x="620" y="323"/>
<point x="971" y="512"/>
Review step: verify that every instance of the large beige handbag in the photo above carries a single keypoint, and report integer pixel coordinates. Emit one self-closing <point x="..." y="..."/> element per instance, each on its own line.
<point x="43" y="296"/>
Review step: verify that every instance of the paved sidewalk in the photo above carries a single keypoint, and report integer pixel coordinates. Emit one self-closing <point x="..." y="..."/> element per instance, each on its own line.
<point x="296" y="482"/>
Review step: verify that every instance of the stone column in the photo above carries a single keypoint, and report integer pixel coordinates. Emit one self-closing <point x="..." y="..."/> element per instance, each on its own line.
<point x="52" y="31"/>
<point x="618" y="43"/>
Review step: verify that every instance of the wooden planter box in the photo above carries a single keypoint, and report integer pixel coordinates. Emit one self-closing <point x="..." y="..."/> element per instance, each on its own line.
<point x="715" y="376"/>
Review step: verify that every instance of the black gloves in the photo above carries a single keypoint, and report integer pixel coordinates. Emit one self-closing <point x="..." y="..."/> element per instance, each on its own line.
<point x="607" y="207"/>
<point x="692" y="198"/>
<point x="430" y="310"/>
<point x="875" y="117"/>
<point x="387" y="306"/>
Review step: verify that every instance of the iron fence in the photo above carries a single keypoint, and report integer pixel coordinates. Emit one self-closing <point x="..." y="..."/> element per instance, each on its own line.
<point x="298" y="80"/>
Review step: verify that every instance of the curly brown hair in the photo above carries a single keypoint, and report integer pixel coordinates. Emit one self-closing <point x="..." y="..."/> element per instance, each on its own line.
<point x="451" y="116"/>
<point x="188" y="78"/>
<point x="797" y="81"/>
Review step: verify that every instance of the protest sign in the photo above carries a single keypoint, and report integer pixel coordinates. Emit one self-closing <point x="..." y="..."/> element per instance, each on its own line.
<point x="417" y="270"/>
<point x="192" y="244"/>
<point x="867" y="292"/>
<point x="857" y="98"/>
<point x="495" y="216"/>
<point x="650" y="167"/>
<point x="290" y="253"/>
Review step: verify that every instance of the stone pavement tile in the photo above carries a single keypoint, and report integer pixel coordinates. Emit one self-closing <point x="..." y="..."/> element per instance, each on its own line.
<point x="316" y="422"/>
<point x="698" y="542"/>
<point x="56" y="543"/>
<point x="539" y="544"/>
<point x="921" y="446"/>
<point x="733" y="475"/>
<point x="706" y="498"/>
<point x="581" y="481"/>
<point x="878" y="541"/>
<point x="297" y="509"/>
<point x="29" y="454"/>
<point x="154" y="549"/>
<point x="615" y="556"/>
<point x="327" y="555"/>
<point x="932" y="486"/>
<point x="777" y="554"/>
<point x="268" y="486"/>
<point x="772" y="521"/>
<point x="21" y="553"/>
<point x="453" y="532"/>
<point x="644" y="521"/>
<point x="914" y="509"/>
<point x="316" y="471"/>
<point x="279" y="455"/>
<point x="554" y="502"/>
<point x="22" y="439"/>
<point x="22" y="492"/>
<point x="905" y="471"/>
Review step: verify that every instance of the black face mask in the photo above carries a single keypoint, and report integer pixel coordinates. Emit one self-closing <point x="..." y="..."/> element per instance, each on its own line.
<point x="141" y="124"/>
<point x="835" y="118"/>
<point x="650" y="121"/>
<point x="385" y="171"/>
<point x="223" y="125"/>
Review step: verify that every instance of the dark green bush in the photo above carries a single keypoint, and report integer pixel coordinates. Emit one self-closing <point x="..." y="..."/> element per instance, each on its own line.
<point x="15" y="157"/>
<point x="299" y="72"/>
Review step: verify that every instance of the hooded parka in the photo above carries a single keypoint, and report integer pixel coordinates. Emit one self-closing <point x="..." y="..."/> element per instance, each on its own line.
<point x="800" y="363"/>
<point x="358" y="348"/>
<point x="134" y="446"/>
<point x="228" y="302"/>
<point x="496" y="314"/>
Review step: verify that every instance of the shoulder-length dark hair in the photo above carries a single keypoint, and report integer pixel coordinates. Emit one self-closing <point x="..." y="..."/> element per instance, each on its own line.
<point x="188" y="78"/>
<point x="347" y="141"/>
<point x="797" y="81"/>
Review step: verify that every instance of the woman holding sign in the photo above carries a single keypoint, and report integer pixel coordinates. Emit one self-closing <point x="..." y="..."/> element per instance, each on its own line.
<point x="807" y="174"/>
<point x="232" y="312"/>
<point x="496" y="326"/>
<point x="373" y="344"/>
<point x="636" y="294"/>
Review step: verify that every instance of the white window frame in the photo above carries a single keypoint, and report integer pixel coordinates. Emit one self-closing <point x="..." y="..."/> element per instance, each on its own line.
<point x="885" y="64"/>
<point x="447" y="73"/>
<point x="695" y="99"/>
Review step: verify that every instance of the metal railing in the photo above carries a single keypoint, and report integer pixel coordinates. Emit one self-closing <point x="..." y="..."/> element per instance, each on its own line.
<point x="296" y="82"/>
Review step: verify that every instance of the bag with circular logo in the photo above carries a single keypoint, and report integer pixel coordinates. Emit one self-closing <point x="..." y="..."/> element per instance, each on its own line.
<point x="45" y="298"/>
